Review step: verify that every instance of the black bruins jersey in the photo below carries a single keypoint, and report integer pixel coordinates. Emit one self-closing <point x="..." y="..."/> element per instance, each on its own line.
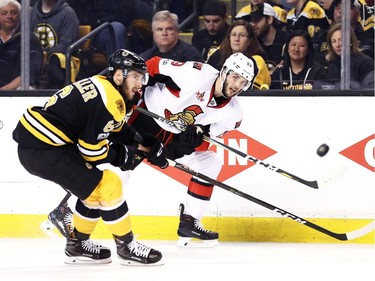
<point x="82" y="114"/>
<point x="312" y="18"/>
<point x="366" y="15"/>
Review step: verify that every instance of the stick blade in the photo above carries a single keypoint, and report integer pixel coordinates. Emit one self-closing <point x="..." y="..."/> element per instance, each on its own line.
<point x="361" y="232"/>
<point x="332" y="176"/>
<point x="50" y="230"/>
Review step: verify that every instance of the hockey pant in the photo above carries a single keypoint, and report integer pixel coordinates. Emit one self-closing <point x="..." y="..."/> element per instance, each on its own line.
<point x="199" y="192"/>
<point x="100" y="191"/>
<point x="106" y="201"/>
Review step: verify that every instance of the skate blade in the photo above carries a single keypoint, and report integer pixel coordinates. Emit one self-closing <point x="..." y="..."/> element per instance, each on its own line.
<point x="187" y="242"/>
<point x="49" y="229"/>
<point x="136" y="263"/>
<point x="86" y="261"/>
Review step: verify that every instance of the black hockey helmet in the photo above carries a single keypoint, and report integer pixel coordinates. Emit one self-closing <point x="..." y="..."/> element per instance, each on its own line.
<point x="126" y="61"/>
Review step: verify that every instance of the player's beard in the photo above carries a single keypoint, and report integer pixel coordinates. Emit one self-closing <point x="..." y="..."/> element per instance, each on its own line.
<point x="128" y="96"/>
<point x="224" y="91"/>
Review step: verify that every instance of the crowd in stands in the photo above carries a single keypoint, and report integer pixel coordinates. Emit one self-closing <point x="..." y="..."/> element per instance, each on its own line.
<point x="295" y="44"/>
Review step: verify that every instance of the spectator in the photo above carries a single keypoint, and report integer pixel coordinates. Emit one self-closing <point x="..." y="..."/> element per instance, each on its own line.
<point x="328" y="8"/>
<point x="361" y="66"/>
<point x="306" y="15"/>
<point x="365" y="37"/>
<point x="56" y="25"/>
<point x="299" y="70"/>
<point x="215" y="20"/>
<point x="271" y="37"/>
<point x="10" y="48"/>
<point x="241" y="39"/>
<point x="167" y="43"/>
<point x="277" y="6"/>
<point x="366" y="14"/>
<point x="364" y="7"/>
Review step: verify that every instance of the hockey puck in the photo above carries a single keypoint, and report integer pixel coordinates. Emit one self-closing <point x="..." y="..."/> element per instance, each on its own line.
<point x="322" y="150"/>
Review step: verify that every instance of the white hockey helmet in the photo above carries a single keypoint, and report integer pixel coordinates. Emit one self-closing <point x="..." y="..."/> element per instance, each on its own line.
<point x="240" y="64"/>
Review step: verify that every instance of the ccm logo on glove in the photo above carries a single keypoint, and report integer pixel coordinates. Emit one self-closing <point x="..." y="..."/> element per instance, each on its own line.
<point x="193" y="135"/>
<point x="157" y="154"/>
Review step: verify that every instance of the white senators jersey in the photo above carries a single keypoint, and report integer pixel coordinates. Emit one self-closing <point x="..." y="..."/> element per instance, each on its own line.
<point x="193" y="102"/>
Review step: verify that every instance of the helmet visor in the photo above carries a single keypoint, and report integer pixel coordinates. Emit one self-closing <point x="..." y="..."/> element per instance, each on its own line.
<point x="136" y="75"/>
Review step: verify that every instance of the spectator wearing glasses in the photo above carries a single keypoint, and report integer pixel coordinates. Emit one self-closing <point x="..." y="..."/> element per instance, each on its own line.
<point x="241" y="39"/>
<point x="215" y="20"/>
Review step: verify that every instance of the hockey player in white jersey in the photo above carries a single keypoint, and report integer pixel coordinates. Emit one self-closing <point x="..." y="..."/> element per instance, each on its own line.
<point x="202" y="99"/>
<point x="198" y="97"/>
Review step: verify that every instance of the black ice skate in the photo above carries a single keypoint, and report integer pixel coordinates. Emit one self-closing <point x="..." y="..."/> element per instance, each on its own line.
<point x="135" y="253"/>
<point x="86" y="252"/>
<point x="191" y="228"/>
<point x="61" y="218"/>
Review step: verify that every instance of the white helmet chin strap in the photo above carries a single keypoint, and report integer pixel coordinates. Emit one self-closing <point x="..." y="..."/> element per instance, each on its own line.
<point x="222" y="81"/>
<point x="222" y="85"/>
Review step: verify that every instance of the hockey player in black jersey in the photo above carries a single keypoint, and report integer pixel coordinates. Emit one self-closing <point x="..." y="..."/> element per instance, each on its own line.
<point x="83" y="125"/>
<point x="210" y="104"/>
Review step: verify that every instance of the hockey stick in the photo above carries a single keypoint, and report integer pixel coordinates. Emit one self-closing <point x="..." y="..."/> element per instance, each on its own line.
<point x="339" y="236"/>
<point x="56" y="219"/>
<point x="65" y="199"/>
<point x="329" y="178"/>
<point x="333" y="175"/>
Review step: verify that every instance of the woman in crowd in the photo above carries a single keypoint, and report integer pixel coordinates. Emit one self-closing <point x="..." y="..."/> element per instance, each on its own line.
<point x="361" y="65"/>
<point x="298" y="71"/>
<point x="241" y="39"/>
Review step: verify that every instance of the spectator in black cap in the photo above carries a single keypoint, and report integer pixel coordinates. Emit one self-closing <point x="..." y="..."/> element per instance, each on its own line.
<point x="216" y="26"/>
<point x="276" y="5"/>
<point x="269" y="33"/>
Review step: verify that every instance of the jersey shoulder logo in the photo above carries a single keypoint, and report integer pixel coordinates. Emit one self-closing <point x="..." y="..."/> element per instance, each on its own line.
<point x="200" y="96"/>
<point x="120" y="106"/>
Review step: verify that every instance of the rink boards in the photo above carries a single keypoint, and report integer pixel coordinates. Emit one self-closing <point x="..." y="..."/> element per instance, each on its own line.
<point x="282" y="131"/>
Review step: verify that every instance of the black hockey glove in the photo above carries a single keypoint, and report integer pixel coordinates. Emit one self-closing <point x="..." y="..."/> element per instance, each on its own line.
<point x="157" y="154"/>
<point x="193" y="135"/>
<point x="125" y="159"/>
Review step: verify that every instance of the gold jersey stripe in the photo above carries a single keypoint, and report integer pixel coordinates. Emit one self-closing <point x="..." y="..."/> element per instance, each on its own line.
<point x="49" y="129"/>
<point x="93" y="152"/>
<point x="37" y="134"/>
